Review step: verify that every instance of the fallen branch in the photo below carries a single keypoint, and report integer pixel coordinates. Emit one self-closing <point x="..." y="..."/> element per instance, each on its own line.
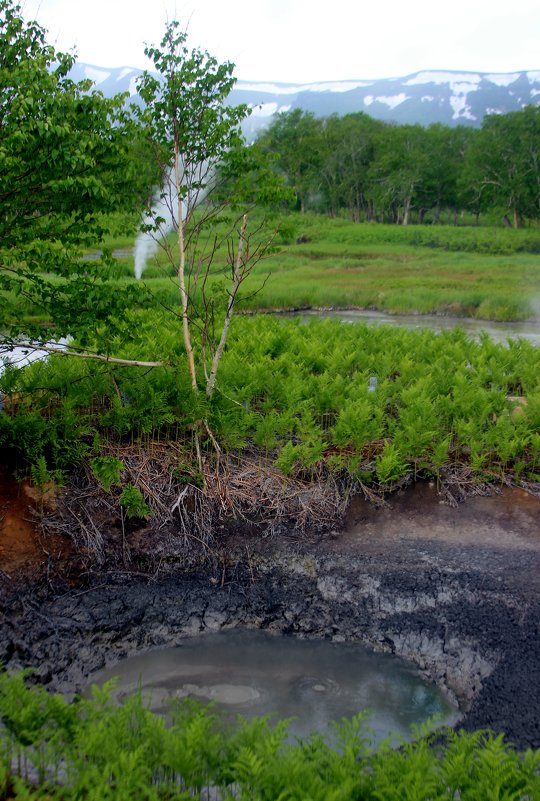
<point x="88" y="355"/>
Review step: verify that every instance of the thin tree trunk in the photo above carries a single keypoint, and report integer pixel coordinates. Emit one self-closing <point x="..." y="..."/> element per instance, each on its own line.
<point x="406" y="210"/>
<point x="182" y="273"/>
<point x="236" y="281"/>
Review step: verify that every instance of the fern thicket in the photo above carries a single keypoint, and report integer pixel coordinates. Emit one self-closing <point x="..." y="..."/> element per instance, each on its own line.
<point x="92" y="748"/>
<point x="382" y="402"/>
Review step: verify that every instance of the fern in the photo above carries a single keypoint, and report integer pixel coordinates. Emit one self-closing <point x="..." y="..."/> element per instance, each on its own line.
<point x="107" y="470"/>
<point x="390" y="465"/>
<point x="133" y="502"/>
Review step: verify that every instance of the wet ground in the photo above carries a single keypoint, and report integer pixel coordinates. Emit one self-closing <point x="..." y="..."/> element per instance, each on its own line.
<point x="454" y="590"/>
<point x="509" y="518"/>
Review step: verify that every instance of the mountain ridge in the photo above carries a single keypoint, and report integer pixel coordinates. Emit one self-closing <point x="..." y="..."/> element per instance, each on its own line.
<point x="451" y="97"/>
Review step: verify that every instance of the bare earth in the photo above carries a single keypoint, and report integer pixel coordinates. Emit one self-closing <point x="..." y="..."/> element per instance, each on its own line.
<point x="454" y="589"/>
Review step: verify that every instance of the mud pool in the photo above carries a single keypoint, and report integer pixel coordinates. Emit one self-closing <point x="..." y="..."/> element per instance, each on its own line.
<point x="251" y="673"/>
<point x="454" y="591"/>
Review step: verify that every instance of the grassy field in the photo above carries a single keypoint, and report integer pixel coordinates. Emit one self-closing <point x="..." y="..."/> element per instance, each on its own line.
<point x="301" y="393"/>
<point x="316" y="262"/>
<point x="487" y="273"/>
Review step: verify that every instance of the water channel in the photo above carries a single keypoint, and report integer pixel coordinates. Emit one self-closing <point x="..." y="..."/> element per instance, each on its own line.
<point x="499" y="332"/>
<point x="19" y="356"/>
<point x="252" y="673"/>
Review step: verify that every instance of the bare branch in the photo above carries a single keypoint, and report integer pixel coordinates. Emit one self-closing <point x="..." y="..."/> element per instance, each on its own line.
<point x="239" y="273"/>
<point x="35" y="346"/>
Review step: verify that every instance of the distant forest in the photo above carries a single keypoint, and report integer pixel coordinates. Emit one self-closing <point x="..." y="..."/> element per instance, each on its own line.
<point x="379" y="171"/>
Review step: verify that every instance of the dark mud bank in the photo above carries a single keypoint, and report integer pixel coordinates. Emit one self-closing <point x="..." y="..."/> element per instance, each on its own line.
<point x="464" y="608"/>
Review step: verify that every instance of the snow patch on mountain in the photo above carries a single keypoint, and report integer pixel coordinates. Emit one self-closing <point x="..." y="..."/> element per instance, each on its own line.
<point x="124" y="72"/>
<point x="426" y="97"/>
<point x="459" y="105"/>
<point x="390" y="101"/>
<point x="461" y="88"/>
<point x="96" y="74"/>
<point x="443" y="77"/>
<point x="267" y="109"/>
<point x="294" y="89"/>
<point x="502" y="79"/>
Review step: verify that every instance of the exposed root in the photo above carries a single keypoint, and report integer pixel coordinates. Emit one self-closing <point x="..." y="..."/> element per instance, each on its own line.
<point x="195" y="509"/>
<point x="190" y="510"/>
<point x="459" y="483"/>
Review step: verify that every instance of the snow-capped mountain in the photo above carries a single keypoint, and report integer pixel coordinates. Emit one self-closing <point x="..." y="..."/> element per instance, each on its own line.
<point x="448" y="97"/>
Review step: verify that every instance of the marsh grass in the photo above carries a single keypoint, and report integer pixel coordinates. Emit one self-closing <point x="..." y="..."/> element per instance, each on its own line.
<point x="488" y="273"/>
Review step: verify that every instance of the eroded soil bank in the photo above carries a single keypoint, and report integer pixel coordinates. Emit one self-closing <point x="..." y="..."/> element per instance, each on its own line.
<point x="455" y="590"/>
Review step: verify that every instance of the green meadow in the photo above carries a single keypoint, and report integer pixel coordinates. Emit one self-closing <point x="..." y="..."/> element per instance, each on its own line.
<point x="487" y="273"/>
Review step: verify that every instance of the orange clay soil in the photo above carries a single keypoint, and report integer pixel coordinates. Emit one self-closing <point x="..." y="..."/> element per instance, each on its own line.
<point x="23" y="552"/>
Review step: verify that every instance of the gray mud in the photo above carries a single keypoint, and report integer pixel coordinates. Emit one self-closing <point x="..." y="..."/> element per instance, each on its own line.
<point x="455" y="591"/>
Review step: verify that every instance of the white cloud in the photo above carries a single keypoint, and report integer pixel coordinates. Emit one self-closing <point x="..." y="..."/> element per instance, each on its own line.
<point x="292" y="41"/>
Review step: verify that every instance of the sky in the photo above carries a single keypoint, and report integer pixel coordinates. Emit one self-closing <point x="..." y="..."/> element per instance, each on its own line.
<point x="304" y="41"/>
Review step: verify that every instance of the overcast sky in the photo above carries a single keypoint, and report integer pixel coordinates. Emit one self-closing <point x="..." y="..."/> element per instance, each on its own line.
<point x="306" y="40"/>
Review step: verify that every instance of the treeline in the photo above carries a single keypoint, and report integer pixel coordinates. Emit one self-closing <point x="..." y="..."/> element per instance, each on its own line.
<point x="378" y="171"/>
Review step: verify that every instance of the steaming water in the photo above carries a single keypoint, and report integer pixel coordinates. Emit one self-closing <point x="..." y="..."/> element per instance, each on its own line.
<point x="315" y="682"/>
<point x="147" y="242"/>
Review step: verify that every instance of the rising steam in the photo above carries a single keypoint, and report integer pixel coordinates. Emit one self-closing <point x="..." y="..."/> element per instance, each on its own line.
<point x="163" y="204"/>
<point x="162" y="217"/>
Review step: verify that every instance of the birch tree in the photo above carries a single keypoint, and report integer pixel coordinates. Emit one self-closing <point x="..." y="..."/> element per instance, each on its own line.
<point x="192" y="127"/>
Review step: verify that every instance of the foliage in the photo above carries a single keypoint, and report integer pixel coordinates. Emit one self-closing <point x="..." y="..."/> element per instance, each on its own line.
<point x="94" y="748"/>
<point x="41" y="475"/>
<point x="376" y="171"/>
<point x="107" y="470"/>
<point x="302" y="395"/>
<point x="66" y="163"/>
<point x="199" y="148"/>
<point x="133" y="502"/>
<point x="299" y="394"/>
<point x="503" y="165"/>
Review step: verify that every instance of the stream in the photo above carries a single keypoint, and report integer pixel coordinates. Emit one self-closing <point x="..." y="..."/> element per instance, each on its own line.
<point x="499" y="332"/>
